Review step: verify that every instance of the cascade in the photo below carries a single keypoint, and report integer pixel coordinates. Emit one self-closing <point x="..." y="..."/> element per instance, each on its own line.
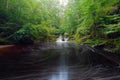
<point x="62" y="39"/>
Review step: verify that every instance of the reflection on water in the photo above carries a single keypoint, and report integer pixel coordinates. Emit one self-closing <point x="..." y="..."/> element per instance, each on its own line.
<point x="62" y="69"/>
<point x="61" y="74"/>
<point x="51" y="61"/>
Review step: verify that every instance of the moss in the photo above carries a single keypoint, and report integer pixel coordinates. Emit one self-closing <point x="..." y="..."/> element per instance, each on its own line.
<point x="95" y="41"/>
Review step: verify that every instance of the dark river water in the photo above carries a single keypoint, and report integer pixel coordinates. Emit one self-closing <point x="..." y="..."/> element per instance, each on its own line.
<point x="52" y="61"/>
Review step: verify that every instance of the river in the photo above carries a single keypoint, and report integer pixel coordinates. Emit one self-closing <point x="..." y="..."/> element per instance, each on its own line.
<point x="53" y="61"/>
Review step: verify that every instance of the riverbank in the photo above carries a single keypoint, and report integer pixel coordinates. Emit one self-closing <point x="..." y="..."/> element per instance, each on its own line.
<point x="12" y="49"/>
<point x="6" y="46"/>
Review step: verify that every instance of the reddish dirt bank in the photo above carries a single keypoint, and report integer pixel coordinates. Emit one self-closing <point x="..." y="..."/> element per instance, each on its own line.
<point x="5" y="49"/>
<point x="6" y="46"/>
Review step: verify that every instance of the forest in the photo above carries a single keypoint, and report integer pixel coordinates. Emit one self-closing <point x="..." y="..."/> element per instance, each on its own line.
<point x="91" y="22"/>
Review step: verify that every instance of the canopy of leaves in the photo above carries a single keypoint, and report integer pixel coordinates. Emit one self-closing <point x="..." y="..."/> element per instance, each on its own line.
<point x="37" y="19"/>
<point x="93" y="21"/>
<point x="85" y="21"/>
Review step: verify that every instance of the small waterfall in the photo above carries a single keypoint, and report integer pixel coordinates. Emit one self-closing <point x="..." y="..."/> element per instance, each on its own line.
<point x="65" y="39"/>
<point x="62" y="39"/>
<point x="59" y="39"/>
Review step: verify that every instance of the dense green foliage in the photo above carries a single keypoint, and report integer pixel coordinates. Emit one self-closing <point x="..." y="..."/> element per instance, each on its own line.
<point x="85" y="21"/>
<point x="94" y="21"/>
<point x="20" y="19"/>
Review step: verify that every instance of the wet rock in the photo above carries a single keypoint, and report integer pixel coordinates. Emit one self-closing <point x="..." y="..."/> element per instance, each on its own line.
<point x="99" y="46"/>
<point x="94" y="56"/>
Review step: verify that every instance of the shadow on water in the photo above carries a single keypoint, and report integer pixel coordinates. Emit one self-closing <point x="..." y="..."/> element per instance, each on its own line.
<point x="55" y="61"/>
